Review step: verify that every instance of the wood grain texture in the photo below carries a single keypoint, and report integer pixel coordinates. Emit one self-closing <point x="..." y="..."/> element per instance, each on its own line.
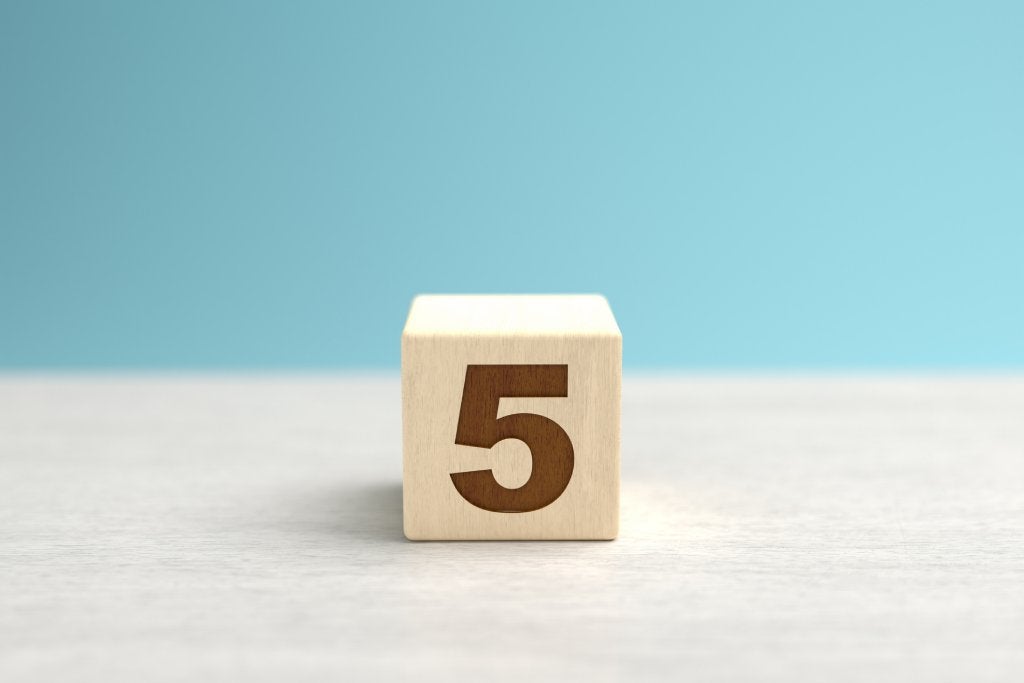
<point x="250" y="529"/>
<point x="450" y="340"/>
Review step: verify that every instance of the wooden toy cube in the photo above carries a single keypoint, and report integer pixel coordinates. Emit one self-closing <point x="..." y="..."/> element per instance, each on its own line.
<point x="510" y="408"/>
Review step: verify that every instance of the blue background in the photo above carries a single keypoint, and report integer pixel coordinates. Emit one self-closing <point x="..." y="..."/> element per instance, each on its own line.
<point x="752" y="185"/>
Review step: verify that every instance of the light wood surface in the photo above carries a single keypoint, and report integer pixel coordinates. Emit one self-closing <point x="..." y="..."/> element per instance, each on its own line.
<point x="574" y="336"/>
<point x="511" y="314"/>
<point x="245" y="529"/>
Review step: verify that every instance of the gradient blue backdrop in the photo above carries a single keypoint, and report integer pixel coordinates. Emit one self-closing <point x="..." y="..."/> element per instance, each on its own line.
<point x="752" y="185"/>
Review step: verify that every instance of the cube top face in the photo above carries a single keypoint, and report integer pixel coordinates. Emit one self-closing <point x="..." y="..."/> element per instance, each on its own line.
<point x="511" y="410"/>
<point x="511" y="314"/>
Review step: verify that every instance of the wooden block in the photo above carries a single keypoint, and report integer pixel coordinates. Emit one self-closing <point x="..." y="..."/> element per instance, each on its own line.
<point x="510" y="411"/>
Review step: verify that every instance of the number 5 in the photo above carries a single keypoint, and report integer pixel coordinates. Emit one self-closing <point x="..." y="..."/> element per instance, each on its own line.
<point x="480" y="426"/>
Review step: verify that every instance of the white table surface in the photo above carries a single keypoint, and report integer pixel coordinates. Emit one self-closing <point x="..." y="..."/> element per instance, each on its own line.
<point x="243" y="528"/>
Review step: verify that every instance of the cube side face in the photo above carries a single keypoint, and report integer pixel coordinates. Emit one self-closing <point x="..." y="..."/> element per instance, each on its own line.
<point x="434" y="372"/>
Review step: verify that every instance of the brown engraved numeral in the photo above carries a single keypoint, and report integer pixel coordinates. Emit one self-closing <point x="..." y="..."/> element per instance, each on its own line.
<point x="480" y="426"/>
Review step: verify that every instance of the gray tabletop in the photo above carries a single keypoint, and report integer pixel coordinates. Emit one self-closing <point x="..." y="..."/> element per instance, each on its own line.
<point x="248" y="528"/>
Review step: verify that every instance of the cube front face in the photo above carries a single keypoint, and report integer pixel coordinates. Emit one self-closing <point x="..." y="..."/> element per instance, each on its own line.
<point x="511" y="436"/>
